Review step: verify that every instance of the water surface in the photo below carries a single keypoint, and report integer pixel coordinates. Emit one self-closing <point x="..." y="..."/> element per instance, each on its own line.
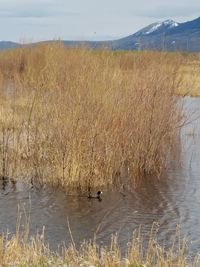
<point x="172" y="201"/>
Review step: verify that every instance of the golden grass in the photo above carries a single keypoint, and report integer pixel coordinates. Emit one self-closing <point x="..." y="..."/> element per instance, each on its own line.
<point x="19" y="250"/>
<point x="84" y="118"/>
<point x="190" y="73"/>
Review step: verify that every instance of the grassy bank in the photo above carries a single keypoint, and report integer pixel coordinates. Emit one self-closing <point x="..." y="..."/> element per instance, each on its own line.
<point x="20" y="251"/>
<point x="190" y="71"/>
<point x="83" y="118"/>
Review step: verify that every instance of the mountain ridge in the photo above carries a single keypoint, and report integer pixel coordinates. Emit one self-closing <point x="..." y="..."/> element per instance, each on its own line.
<point x="165" y="35"/>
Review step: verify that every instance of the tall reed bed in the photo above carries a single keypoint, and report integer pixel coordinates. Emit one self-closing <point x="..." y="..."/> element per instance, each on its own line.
<point x="84" y="118"/>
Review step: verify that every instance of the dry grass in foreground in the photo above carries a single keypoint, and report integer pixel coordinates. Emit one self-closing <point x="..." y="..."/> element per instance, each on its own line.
<point x="83" y="118"/>
<point x="20" y="251"/>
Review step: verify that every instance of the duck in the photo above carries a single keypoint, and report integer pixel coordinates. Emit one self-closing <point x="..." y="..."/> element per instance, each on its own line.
<point x="98" y="195"/>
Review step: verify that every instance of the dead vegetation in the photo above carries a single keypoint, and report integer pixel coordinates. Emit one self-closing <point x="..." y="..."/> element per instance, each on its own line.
<point x="21" y="250"/>
<point x="83" y="118"/>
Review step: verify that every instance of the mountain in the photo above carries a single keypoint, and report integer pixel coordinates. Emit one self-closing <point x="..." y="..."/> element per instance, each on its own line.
<point x="6" y="45"/>
<point x="165" y="35"/>
<point x="158" y="27"/>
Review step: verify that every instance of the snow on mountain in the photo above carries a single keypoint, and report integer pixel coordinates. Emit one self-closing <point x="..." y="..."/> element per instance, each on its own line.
<point x="153" y="29"/>
<point x="171" y="23"/>
<point x="168" y="24"/>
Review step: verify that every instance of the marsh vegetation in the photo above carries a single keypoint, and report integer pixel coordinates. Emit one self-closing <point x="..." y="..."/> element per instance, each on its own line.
<point x="82" y="118"/>
<point x="85" y="119"/>
<point x="20" y="250"/>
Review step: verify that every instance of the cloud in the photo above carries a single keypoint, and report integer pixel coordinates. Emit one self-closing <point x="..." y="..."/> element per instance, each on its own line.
<point x="158" y="9"/>
<point x="37" y="9"/>
<point x="74" y="8"/>
<point x="80" y="19"/>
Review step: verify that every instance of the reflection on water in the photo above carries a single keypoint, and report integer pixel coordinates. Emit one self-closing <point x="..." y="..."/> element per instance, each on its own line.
<point x="175" y="199"/>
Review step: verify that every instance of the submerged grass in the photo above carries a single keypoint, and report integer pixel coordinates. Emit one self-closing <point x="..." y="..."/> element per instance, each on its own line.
<point x="84" y="118"/>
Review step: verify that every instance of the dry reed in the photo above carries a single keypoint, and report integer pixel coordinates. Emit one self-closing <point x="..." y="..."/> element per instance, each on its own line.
<point x="84" y="118"/>
<point x="20" y="250"/>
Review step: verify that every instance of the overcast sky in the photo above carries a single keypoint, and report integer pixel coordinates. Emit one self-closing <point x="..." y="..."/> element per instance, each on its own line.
<point x="34" y="20"/>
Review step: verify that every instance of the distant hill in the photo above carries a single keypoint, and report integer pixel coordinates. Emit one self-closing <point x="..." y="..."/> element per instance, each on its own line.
<point x="166" y="35"/>
<point x="7" y="45"/>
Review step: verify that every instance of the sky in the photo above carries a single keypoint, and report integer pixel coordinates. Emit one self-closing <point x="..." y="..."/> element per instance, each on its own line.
<point x="35" y="20"/>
